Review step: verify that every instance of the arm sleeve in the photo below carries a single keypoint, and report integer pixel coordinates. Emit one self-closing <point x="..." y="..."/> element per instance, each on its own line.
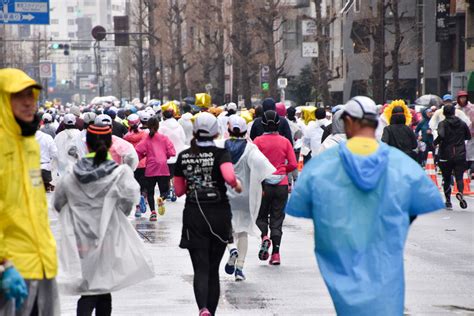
<point x="300" y="203"/>
<point x="423" y="186"/>
<point x="179" y="185"/>
<point x="227" y="170"/>
<point x="170" y="151"/>
<point x="418" y="128"/>
<point x="141" y="149"/>
<point x="53" y="150"/>
<point x="130" y="191"/>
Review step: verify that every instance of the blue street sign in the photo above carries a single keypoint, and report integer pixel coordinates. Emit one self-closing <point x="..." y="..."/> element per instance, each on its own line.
<point x="24" y="11"/>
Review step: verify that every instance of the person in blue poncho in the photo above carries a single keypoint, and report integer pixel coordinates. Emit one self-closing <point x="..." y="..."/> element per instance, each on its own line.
<point x="362" y="196"/>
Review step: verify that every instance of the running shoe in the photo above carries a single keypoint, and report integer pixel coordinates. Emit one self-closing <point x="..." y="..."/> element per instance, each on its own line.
<point x="138" y="214"/>
<point x="230" y="265"/>
<point x="161" y="205"/>
<point x="239" y="275"/>
<point x="153" y="216"/>
<point x="449" y="206"/>
<point x="462" y="201"/>
<point x="263" y="253"/>
<point x="173" y="195"/>
<point x="275" y="259"/>
<point x="204" y="312"/>
<point x="142" y="204"/>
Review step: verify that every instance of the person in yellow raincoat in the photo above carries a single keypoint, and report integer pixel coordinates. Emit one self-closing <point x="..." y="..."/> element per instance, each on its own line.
<point x="28" y="262"/>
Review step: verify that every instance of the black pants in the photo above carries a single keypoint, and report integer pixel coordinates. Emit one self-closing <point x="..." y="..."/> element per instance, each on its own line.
<point x="163" y="184"/>
<point x="206" y="263"/>
<point x="447" y="168"/>
<point x="139" y="174"/>
<point x="101" y="303"/>
<point x="272" y="212"/>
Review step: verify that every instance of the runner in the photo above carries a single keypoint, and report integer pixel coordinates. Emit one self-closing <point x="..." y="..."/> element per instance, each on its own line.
<point x="201" y="172"/>
<point x="251" y="168"/>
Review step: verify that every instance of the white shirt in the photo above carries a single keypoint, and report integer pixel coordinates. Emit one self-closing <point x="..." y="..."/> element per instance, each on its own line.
<point x="48" y="149"/>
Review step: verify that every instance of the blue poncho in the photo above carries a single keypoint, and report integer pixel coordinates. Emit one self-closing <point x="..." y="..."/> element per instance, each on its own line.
<point x="360" y="206"/>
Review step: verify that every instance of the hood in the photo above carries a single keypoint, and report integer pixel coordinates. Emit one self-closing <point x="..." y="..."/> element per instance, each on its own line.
<point x="281" y="109"/>
<point x="170" y="123"/>
<point x="86" y="172"/>
<point x="424" y="113"/>
<point x="365" y="171"/>
<point x="12" y="81"/>
<point x="187" y="116"/>
<point x="338" y="123"/>
<point x="454" y="121"/>
<point x="236" y="148"/>
<point x="462" y="94"/>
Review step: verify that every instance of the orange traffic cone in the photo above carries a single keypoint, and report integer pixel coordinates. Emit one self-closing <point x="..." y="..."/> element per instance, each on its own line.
<point x="300" y="162"/>
<point x="430" y="168"/>
<point x="467" y="185"/>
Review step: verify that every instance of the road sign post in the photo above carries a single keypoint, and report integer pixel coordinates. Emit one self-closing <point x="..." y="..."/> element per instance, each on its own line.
<point x="24" y="12"/>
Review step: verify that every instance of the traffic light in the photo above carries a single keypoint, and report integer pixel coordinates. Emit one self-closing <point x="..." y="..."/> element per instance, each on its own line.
<point x="60" y="46"/>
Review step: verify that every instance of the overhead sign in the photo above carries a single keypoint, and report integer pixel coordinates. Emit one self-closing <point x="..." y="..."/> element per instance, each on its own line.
<point x="24" y="12"/>
<point x="45" y="69"/>
<point x="282" y="83"/>
<point x="442" y="19"/>
<point x="308" y="27"/>
<point x="310" y="49"/>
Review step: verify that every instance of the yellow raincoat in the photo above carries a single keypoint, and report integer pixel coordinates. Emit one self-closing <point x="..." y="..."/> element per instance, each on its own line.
<point x="25" y="236"/>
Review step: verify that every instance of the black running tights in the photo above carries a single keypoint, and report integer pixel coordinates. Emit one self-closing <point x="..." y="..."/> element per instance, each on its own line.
<point x="101" y="303"/>
<point x="206" y="274"/>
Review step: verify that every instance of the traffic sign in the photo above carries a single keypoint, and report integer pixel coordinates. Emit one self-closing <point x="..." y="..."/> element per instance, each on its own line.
<point x="98" y="33"/>
<point x="45" y="69"/>
<point x="282" y="83"/>
<point x="309" y="49"/>
<point x="24" y="12"/>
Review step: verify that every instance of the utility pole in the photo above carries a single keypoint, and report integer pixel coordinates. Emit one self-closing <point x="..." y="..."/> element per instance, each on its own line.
<point x="141" y="80"/>
<point x="419" y="47"/>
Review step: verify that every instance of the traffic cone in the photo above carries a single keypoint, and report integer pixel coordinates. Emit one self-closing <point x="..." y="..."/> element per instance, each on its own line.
<point x="467" y="185"/>
<point x="300" y="162"/>
<point x="430" y="168"/>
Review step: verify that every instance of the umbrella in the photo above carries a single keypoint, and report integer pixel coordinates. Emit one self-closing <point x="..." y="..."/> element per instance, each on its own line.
<point x="429" y="100"/>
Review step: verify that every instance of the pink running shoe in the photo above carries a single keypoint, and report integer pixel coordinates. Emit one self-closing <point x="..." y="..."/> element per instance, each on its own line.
<point x="204" y="312"/>
<point x="275" y="259"/>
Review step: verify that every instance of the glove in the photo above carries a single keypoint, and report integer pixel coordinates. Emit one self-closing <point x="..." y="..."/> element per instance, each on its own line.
<point x="14" y="287"/>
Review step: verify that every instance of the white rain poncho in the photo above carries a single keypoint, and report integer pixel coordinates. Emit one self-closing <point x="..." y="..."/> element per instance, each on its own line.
<point x="99" y="250"/>
<point x="187" y="124"/>
<point x="251" y="169"/>
<point x="70" y="149"/>
<point x="175" y="132"/>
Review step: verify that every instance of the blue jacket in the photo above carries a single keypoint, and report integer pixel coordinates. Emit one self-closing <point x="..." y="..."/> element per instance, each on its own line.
<point x="360" y="206"/>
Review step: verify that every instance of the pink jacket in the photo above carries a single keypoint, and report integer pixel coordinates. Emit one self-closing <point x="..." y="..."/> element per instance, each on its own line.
<point x="157" y="150"/>
<point x="279" y="152"/>
<point x="135" y="139"/>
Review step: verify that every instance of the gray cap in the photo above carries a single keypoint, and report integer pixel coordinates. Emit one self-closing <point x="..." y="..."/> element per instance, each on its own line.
<point x="361" y="107"/>
<point x="103" y="119"/>
<point x="69" y="119"/>
<point x="206" y="124"/>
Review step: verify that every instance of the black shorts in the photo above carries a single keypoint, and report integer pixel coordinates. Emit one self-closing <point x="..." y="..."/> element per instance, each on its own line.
<point x="196" y="232"/>
<point x="46" y="176"/>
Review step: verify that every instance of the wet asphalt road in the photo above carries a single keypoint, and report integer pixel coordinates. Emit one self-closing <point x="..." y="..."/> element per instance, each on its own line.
<point x="439" y="264"/>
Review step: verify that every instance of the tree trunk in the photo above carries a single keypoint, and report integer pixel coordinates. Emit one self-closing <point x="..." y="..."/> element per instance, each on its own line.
<point x="140" y="70"/>
<point x="220" y="59"/>
<point x="396" y="52"/>
<point x="152" y="50"/>
<point x="378" y="62"/>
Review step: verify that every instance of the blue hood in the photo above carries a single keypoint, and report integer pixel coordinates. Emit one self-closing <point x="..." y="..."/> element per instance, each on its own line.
<point x="365" y="171"/>
<point x="236" y="148"/>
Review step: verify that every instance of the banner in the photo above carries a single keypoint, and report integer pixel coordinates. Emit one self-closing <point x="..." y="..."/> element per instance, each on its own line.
<point x="442" y="20"/>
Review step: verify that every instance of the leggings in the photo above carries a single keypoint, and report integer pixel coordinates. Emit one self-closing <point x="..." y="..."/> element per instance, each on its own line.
<point x="447" y="168"/>
<point x="206" y="274"/>
<point x="163" y="185"/>
<point x="242" y="246"/>
<point x="101" y="303"/>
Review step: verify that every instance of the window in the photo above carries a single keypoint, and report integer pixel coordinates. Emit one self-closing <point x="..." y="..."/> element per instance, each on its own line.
<point x="360" y="36"/>
<point x="71" y="34"/>
<point x="71" y="22"/>
<point x="54" y="21"/>
<point x="70" y="9"/>
<point x="54" y="34"/>
<point x="290" y="34"/>
<point x="357" y="6"/>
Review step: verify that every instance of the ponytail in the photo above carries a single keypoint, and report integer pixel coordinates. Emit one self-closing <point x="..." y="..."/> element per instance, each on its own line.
<point x="194" y="147"/>
<point x="99" y="140"/>
<point x="100" y="152"/>
<point x="153" y="125"/>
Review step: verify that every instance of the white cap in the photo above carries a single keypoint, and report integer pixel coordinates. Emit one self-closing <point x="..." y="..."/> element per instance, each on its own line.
<point x="206" y="124"/>
<point x="232" y="106"/>
<point x="133" y="119"/>
<point x="69" y="119"/>
<point x="89" y="117"/>
<point x="103" y="119"/>
<point x="151" y="111"/>
<point x="361" y="107"/>
<point x="144" y="116"/>
<point x="47" y="117"/>
<point x="237" y="121"/>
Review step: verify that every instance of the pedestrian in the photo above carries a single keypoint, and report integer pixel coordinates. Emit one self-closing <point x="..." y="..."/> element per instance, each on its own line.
<point x="362" y="196"/>
<point x="68" y="142"/>
<point x="28" y="262"/>
<point x="118" y="129"/>
<point x="157" y="149"/>
<point x="48" y="154"/>
<point x="297" y="136"/>
<point x="134" y="137"/>
<point x="186" y="123"/>
<point x="279" y="152"/>
<point x="452" y="134"/>
<point x="78" y="123"/>
<point x="258" y="128"/>
<point x="170" y="128"/>
<point x="201" y="172"/>
<point x="100" y="250"/>
<point x="398" y="134"/>
<point x="468" y="109"/>
<point x="438" y="115"/>
<point x="48" y="127"/>
<point x="313" y="133"/>
<point x="251" y="168"/>
<point x="426" y="135"/>
<point x="338" y="134"/>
